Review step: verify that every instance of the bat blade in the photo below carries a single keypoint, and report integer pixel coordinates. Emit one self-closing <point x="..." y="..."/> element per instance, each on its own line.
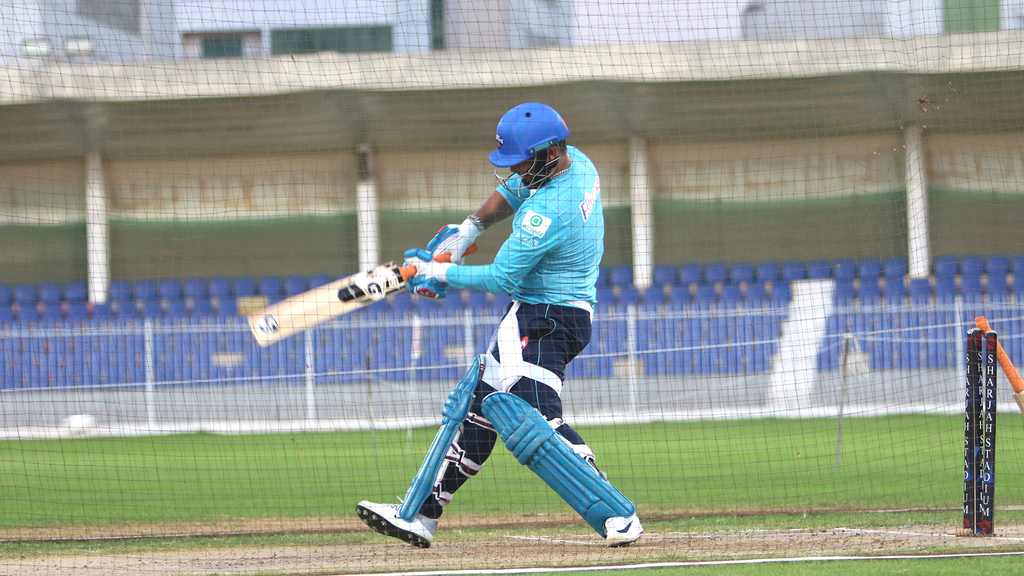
<point x="303" y="311"/>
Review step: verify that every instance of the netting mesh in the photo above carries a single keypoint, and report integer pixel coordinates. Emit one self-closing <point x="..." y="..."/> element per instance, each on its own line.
<point x="806" y="204"/>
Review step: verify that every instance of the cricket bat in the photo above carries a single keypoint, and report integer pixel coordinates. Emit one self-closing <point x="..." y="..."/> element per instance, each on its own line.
<point x="302" y="311"/>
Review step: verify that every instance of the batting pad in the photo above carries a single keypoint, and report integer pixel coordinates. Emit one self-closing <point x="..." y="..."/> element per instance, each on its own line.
<point x="535" y="444"/>
<point x="454" y="412"/>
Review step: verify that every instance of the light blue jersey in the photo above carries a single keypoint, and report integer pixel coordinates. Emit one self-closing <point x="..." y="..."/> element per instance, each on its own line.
<point x="555" y="248"/>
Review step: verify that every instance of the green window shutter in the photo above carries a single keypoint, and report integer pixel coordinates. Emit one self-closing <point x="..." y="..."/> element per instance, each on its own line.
<point x="222" y="46"/>
<point x="345" y="39"/>
<point x="970" y="15"/>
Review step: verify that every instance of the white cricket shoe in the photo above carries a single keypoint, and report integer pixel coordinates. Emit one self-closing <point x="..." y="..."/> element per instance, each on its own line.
<point x="384" y="519"/>
<point x="622" y="531"/>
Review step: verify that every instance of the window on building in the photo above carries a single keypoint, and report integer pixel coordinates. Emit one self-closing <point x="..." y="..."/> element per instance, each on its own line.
<point x="437" y="24"/>
<point x="345" y="39"/>
<point x="222" y="46"/>
<point x="970" y="15"/>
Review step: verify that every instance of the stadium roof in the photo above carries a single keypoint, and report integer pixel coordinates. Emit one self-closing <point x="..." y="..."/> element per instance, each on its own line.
<point x="679" y="91"/>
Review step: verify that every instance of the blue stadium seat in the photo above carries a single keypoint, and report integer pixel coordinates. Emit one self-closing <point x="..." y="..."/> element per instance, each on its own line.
<point x="52" y="311"/>
<point x="844" y="291"/>
<point x="220" y="288"/>
<point x="654" y="294"/>
<point x="945" y="287"/>
<point x="605" y="296"/>
<point x="152" y="309"/>
<point x="401" y="302"/>
<point x="972" y="265"/>
<point x="78" y="310"/>
<point x="318" y="281"/>
<point x="294" y="285"/>
<point x="664" y="275"/>
<point x="705" y="293"/>
<point x="869" y="288"/>
<point x="241" y="287"/>
<point x="715" y="274"/>
<point x="997" y="288"/>
<point x="681" y="293"/>
<point x="127" y="309"/>
<point x="176" y="308"/>
<point x="741" y="273"/>
<point x="270" y="286"/>
<point x="120" y="291"/>
<point x="196" y="289"/>
<point x="920" y="289"/>
<point x="819" y="270"/>
<point x="474" y="299"/>
<point x="5" y="295"/>
<point x="1017" y="265"/>
<point x="782" y="292"/>
<point x="502" y="301"/>
<point x="146" y="291"/>
<point x="895" y="269"/>
<point x="756" y="292"/>
<point x="50" y="292"/>
<point x="102" y="311"/>
<point x="621" y="276"/>
<point x="227" y="307"/>
<point x="628" y="295"/>
<point x="6" y="313"/>
<point x="202" y="308"/>
<point x="170" y="290"/>
<point x="970" y="287"/>
<point x="689" y="274"/>
<point x="794" y="271"/>
<point x="946" y="266"/>
<point x="846" y="269"/>
<point x="602" y="276"/>
<point x="997" y="266"/>
<point x="768" y="272"/>
<point x="869" y="269"/>
<point x="26" y="294"/>
<point x="732" y="293"/>
<point x="895" y="291"/>
<point x="76" y="292"/>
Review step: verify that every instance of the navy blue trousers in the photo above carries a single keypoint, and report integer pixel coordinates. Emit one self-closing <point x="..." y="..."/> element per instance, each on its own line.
<point x="552" y="337"/>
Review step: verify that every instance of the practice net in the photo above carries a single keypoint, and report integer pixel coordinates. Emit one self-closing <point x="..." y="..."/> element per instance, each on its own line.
<point x="806" y="205"/>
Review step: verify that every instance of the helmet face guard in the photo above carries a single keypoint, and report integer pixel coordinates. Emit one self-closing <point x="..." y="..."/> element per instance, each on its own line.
<point x="526" y="132"/>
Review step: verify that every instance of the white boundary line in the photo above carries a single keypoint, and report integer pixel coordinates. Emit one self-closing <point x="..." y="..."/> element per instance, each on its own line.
<point x="683" y="564"/>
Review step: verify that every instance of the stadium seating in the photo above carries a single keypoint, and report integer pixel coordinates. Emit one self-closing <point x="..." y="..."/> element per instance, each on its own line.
<point x="990" y="279"/>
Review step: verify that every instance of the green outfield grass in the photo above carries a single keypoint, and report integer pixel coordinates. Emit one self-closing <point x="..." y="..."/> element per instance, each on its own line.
<point x="669" y="469"/>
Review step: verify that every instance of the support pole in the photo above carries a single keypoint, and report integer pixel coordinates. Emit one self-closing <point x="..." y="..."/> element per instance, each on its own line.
<point x="97" y="237"/>
<point x="918" y="250"/>
<point x="643" y="221"/>
<point x="366" y="209"/>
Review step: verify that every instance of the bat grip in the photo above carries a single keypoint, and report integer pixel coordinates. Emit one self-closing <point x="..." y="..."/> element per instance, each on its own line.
<point x="410" y="271"/>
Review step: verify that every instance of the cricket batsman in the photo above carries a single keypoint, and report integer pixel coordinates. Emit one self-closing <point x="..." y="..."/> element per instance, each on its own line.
<point x="549" y="265"/>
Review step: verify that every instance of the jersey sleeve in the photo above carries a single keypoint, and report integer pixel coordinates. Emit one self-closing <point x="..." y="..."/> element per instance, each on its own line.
<point x="514" y="201"/>
<point x="533" y="235"/>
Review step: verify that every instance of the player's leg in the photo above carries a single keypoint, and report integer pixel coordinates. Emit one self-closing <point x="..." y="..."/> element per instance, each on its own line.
<point x="461" y="446"/>
<point x="551" y="337"/>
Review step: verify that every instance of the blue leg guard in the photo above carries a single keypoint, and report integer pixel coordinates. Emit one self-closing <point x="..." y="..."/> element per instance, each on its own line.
<point x="454" y="412"/>
<point x="532" y="441"/>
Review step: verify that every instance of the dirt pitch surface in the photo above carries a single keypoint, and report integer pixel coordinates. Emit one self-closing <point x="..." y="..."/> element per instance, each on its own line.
<point x="491" y="549"/>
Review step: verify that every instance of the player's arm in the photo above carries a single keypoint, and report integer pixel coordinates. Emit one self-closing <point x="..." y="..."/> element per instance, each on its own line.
<point x="523" y="250"/>
<point x="454" y="239"/>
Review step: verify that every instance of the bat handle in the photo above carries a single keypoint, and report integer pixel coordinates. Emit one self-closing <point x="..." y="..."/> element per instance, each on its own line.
<point x="410" y="271"/>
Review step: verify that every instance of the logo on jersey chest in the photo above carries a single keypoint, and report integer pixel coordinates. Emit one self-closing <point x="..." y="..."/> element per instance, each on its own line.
<point x="535" y="224"/>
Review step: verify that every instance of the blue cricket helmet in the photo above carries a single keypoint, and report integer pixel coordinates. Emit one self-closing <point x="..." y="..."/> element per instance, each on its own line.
<point x="525" y="130"/>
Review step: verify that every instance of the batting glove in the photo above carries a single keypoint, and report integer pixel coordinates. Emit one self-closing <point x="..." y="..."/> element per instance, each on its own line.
<point x="430" y="280"/>
<point x="454" y="239"/>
